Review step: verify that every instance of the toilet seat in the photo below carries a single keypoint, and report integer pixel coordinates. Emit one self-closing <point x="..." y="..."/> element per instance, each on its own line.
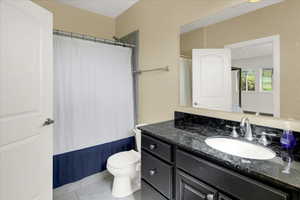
<point x="123" y="159"/>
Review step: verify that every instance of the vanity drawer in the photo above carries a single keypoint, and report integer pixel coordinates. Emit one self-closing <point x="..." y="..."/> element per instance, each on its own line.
<point x="233" y="183"/>
<point x="148" y="193"/>
<point x="157" y="173"/>
<point x="159" y="148"/>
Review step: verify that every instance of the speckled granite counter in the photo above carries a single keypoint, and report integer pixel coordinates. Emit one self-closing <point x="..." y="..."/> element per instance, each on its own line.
<point x="267" y="171"/>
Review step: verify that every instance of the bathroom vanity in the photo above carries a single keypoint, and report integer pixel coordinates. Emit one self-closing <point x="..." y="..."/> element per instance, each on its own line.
<point x="178" y="164"/>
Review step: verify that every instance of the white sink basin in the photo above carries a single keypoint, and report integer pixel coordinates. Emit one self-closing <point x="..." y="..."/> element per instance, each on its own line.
<point x="240" y="148"/>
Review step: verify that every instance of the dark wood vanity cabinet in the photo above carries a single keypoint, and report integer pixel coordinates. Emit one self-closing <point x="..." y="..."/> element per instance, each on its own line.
<point x="177" y="174"/>
<point x="226" y="180"/>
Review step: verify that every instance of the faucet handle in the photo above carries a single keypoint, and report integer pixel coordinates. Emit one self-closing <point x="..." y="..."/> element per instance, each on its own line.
<point x="234" y="132"/>
<point x="263" y="139"/>
<point x="267" y="134"/>
<point x="232" y="127"/>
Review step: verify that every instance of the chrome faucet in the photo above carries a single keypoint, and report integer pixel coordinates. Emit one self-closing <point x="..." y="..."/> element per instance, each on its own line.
<point x="246" y="128"/>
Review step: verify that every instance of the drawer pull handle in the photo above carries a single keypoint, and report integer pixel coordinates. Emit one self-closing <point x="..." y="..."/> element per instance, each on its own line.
<point x="152" y="172"/>
<point x="152" y="146"/>
<point x="210" y="197"/>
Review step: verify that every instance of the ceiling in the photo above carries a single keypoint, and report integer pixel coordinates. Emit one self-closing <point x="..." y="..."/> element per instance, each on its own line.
<point x="109" y="8"/>
<point x="228" y="13"/>
<point x="252" y="51"/>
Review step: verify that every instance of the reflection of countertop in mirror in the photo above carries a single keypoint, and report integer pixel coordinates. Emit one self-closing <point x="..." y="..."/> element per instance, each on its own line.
<point x="268" y="170"/>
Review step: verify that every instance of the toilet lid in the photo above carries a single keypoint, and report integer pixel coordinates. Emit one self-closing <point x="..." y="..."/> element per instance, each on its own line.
<point x="122" y="159"/>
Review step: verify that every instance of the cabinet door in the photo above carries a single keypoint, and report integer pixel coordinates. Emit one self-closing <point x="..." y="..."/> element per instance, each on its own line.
<point x="189" y="188"/>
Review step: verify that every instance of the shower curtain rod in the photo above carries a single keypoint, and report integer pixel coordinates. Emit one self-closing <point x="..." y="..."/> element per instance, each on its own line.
<point x="91" y="38"/>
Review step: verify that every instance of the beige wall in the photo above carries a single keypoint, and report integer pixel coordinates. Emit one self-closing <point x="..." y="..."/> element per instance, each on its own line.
<point x="282" y="19"/>
<point x="159" y="23"/>
<point x="76" y="20"/>
<point x="192" y="40"/>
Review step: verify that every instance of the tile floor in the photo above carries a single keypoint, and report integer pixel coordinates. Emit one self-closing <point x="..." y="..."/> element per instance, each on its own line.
<point x="98" y="189"/>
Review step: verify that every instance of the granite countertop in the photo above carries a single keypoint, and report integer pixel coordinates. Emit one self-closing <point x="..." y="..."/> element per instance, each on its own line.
<point x="269" y="170"/>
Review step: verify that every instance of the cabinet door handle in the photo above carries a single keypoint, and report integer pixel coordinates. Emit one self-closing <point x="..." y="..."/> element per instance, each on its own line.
<point x="152" y="146"/>
<point x="210" y="197"/>
<point x="152" y="172"/>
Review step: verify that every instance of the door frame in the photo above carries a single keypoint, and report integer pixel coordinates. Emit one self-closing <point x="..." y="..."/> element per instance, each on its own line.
<point x="275" y="40"/>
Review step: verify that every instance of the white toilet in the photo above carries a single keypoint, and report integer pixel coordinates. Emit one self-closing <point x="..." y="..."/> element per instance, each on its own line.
<point x="125" y="167"/>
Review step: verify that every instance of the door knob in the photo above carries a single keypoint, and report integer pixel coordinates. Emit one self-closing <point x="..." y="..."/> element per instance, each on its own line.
<point x="48" y="122"/>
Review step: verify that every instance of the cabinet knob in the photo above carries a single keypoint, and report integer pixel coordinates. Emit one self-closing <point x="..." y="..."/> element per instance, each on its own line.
<point x="210" y="197"/>
<point x="195" y="104"/>
<point x="152" y="172"/>
<point x="152" y="146"/>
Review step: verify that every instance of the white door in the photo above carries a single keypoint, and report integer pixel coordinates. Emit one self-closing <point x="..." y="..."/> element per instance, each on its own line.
<point x="212" y="79"/>
<point x="25" y="101"/>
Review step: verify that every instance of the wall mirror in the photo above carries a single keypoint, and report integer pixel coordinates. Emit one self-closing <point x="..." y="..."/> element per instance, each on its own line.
<point x="238" y="60"/>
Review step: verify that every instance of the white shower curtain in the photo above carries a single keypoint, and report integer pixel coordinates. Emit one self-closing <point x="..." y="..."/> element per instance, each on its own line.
<point x="93" y="94"/>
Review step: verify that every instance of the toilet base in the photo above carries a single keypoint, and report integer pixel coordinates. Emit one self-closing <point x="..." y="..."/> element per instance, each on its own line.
<point x="121" y="187"/>
<point x="124" y="186"/>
